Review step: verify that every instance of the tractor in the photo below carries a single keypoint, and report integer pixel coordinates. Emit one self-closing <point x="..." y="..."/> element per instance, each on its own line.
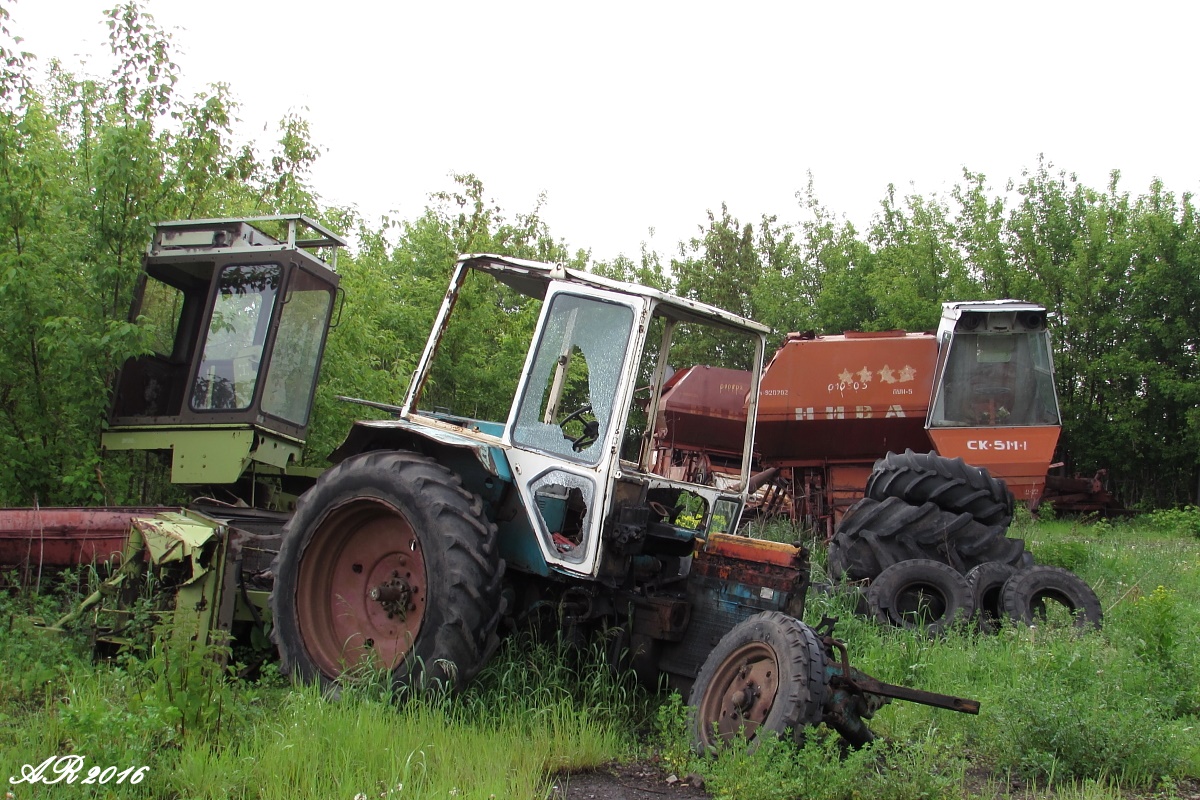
<point x="437" y="531"/>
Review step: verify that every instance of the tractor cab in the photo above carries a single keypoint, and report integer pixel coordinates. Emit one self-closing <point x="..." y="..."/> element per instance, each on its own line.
<point x="563" y="453"/>
<point x="994" y="402"/>
<point x="238" y="318"/>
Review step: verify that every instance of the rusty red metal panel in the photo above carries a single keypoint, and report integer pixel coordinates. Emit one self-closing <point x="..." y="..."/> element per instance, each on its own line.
<point x="757" y="550"/>
<point x="752" y="562"/>
<point x="847" y="485"/>
<point x="704" y="408"/>
<point x="856" y="395"/>
<point x="64" y="537"/>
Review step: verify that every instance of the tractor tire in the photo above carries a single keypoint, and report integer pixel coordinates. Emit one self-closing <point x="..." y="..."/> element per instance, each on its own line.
<point x="1025" y="596"/>
<point x="387" y="562"/>
<point x="992" y="545"/>
<point x="862" y="545"/>
<point x="874" y="535"/>
<point x="950" y="483"/>
<point x="986" y="582"/>
<point x="920" y="594"/>
<point x="766" y="674"/>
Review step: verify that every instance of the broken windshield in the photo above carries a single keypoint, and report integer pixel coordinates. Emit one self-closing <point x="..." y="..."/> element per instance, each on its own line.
<point x="567" y="405"/>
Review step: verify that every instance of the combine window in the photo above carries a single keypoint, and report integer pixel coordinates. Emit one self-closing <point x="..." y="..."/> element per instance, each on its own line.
<point x="996" y="380"/>
<point x="228" y="372"/>
<point x="292" y="373"/>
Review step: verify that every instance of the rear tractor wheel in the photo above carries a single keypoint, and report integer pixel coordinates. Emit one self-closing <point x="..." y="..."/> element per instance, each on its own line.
<point x="387" y="563"/>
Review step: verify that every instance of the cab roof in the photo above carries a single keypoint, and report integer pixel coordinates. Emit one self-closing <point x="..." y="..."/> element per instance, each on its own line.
<point x="531" y="278"/>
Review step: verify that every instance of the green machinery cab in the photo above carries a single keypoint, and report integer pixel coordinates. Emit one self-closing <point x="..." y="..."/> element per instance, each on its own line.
<point x="239" y="319"/>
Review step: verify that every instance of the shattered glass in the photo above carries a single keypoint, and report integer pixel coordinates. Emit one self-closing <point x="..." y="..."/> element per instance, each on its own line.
<point x="567" y="407"/>
<point x="564" y="502"/>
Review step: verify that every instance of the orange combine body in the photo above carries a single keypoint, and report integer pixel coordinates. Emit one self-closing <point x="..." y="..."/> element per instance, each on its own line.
<point x="982" y="388"/>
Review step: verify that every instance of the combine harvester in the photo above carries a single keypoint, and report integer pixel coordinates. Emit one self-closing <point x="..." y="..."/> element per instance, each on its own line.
<point x="980" y="389"/>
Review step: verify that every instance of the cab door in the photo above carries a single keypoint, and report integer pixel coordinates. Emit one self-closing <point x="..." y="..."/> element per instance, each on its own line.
<point x="565" y="424"/>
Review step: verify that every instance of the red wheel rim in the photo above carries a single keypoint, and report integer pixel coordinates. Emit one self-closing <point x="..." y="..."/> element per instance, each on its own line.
<point x="741" y="694"/>
<point x="361" y="588"/>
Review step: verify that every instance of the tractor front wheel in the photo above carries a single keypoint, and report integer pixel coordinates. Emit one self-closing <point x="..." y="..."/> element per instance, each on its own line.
<point x="387" y="563"/>
<point x="765" y="674"/>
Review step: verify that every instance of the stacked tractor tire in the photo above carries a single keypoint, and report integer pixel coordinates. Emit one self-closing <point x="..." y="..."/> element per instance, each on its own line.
<point x="929" y="541"/>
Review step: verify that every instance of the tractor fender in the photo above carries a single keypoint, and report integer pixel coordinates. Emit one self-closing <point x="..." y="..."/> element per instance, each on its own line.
<point x="445" y="446"/>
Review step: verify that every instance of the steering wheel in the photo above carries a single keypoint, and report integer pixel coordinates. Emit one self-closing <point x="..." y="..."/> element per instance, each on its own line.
<point x="591" y="430"/>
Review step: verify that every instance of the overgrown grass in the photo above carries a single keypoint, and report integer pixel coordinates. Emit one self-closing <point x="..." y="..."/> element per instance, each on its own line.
<point x="537" y="710"/>
<point x="1087" y="714"/>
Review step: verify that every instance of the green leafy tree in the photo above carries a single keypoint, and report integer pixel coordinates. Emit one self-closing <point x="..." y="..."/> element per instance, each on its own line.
<point x="917" y="264"/>
<point x="647" y="270"/>
<point x="720" y="267"/>
<point x="827" y="289"/>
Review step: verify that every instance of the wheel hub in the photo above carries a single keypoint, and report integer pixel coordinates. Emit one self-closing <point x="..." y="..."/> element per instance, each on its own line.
<point x="743" y="693"/>
<point x="362" y="587"/>
<point x="395" y="596"/>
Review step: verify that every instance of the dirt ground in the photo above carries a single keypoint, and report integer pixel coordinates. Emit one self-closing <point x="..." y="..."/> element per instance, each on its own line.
<point x="637" y="781"/>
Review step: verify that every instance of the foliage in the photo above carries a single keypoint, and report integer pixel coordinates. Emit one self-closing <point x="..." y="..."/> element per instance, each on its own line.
<point x="1070" y="723"/>
<point x="538" y="708"/>
<point x="817" y="767"/>
<point x="182" y="681"/>
<point x="1180" y="521"/>
<point x="672" y="736"/>
<point x="87" y="162"/>
<point x="34" y="664"/>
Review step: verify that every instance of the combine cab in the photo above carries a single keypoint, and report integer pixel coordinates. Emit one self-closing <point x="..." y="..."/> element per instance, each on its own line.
<point x="993" y="402"/>
<point x="239" y="309"/>
<point x="240" y="319"/>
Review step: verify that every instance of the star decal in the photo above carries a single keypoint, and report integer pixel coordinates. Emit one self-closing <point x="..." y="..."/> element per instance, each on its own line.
<point x="864" y="375"/>
<point x="846" y="376"/>
<point x="907" y="374"/>
<point x="886" y="375"/>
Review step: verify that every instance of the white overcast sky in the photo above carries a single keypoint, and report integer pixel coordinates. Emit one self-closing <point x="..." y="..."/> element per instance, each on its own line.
<point x="642" y="115"/>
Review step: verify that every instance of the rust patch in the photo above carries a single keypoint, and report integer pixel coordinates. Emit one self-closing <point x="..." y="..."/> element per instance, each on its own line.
<point x="752" y="562"/>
